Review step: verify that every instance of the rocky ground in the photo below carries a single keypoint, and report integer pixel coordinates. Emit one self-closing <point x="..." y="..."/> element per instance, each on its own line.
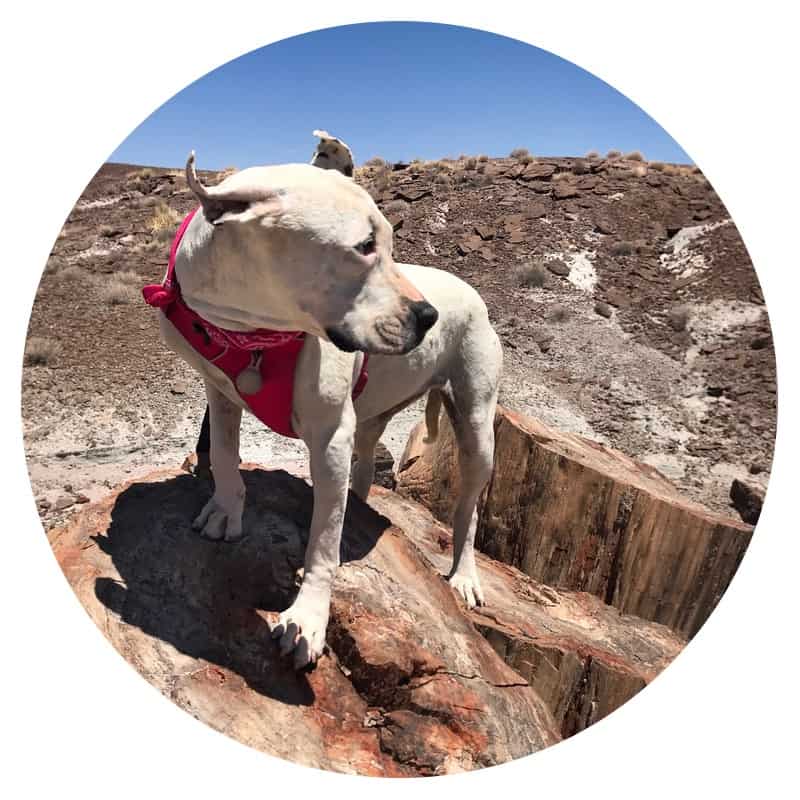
<point x="626" y="301"/>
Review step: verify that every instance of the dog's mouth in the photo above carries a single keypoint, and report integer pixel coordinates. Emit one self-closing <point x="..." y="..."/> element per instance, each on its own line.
<point x="390" y="337"/>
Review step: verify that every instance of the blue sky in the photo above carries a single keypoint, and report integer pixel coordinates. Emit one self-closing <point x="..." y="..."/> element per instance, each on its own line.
<point x="398" y="90"/>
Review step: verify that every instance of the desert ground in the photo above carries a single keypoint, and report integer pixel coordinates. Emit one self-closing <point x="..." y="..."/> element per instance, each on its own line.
<point x="625" y="299"/>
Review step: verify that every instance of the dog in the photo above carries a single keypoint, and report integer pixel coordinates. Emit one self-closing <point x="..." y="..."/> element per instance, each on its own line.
<point x="294" y="248"/>
<point x="330" y="153"/>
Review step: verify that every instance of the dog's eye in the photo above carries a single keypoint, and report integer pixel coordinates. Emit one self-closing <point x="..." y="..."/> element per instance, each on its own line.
<point x="367" y="247"/>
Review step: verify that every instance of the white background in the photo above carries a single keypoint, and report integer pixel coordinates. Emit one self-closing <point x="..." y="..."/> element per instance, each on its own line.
<point x="721" y="77"/>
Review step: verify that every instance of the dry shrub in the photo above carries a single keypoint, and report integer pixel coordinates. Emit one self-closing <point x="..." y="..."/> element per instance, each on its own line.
<point x="163" y="222"/>
<point x="558" y="313"/>
<point x="527" y="159"/>
<point x="670" y="169"/>
<point x="375" y="161"/>
<point x="592" y="155"/>
<point x="129" y="277"/>
<point x="531" y="274"/>
<point x="658" y="166"/>
<point x="470" y="163"/>
<point x="117" y="293"/>
<point x="622" y="248"/>
<point x="613" y="155"/>
<point x="107" y="231"/>
<point x="519" y="152"/>
<point x="40" y="351"/>
<point x="634" y="155"/>
<point x="72" y="274"/>
<point x="678" y="317"/>
<point x="395" y="206"/>
<point x="483" y="157"/>
<point x="580" y="168"/>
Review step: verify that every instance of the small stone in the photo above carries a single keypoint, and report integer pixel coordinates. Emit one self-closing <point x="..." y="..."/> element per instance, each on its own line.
<point x="564" y="190"/>
<point x="68" y="487"/>
<point x="605" y="227"/>
<point x="81" y="498"/>
<point x="485" y="232"/>
<point x="178" y="386"/>
<point x="760" y="342"/>
<point x="63" y="502"/>
<point x="43" y="503"/>
<point x="558" y="267"/>
<point x="603" y="309"/>
<point x="747" y="500"/>
<point x="755" y="468"/>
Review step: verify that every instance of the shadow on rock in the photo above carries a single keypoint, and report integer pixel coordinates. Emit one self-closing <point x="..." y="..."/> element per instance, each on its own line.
<point x="205" y="598"/>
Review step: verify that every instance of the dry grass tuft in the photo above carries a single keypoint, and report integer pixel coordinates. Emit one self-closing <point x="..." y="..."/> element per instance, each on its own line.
<point x="483" y="157"/>
<point x="72" y="274"/>
<point x="531" y="274"/>
<point x="592" y="155"/>
<point x="40" y="352"/>
<point x="163" y="222"/>
<point x="634" y="155"/>
<point x="519" y="152"/>
<point x="658" y="166"/>
<point x="559" y="313"/>
<point x="622" y="248"/>
<point x="470" y="163"/>
<point x="580" y="168"/>
<point x="129" y="278"/>
<point x="117" y="293"/>
<point x="678" y="317"/>
<point x="613" y="155"/>
<point x="375" y="161"/>
<point x="528" y="159"/>
<point x="670" y="169"/>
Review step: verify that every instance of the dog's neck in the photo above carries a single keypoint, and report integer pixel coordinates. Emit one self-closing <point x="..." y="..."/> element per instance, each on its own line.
<point x="218" y="283"/>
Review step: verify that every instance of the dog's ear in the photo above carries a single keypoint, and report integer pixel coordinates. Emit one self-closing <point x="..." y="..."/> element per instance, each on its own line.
<point x="237" y="205"/>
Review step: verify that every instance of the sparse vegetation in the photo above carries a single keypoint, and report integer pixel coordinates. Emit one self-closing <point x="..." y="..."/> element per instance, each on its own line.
<point x="558" y="313"/>
<point x="107" y="231"/>
<point x="622" y="248"/>
<point x="592" y="155"/>
<point x="470" y="163"/>
<point x="678" y="317"/>
<point x="117" y="293"/>
<point x="613" y="155"/>
<point x="658" y="166"/>
<point x="375" y="161"/>
<point x="72" y="274"/>
<point x="519" y="152"/>
<point x="163" y="222"/>
<point x="580" y="168"/>
<point x="41" y="352"/>
<point x="531" y="274"/>
<point x="395" y="206"/>
<point x="528" y="159"/>
<point x="483" y="157"/>
<point x="129" y="277"/>
<point x="634" y="155"/>
<point x="670" y="169"/>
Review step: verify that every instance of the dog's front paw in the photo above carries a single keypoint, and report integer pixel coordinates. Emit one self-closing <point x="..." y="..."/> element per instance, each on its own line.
<point x="301" y="629"/>
<point x="219" y="521"/>
<point x="468" y="587"/>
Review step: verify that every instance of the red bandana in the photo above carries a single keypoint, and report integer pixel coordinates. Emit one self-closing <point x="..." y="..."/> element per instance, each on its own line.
<point x="235" y="352"/>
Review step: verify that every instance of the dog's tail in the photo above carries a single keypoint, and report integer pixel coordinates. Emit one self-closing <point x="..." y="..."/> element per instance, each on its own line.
<point x="433" y="409"/>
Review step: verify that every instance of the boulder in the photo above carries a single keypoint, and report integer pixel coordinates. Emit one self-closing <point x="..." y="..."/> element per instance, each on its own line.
<point x="574" y="514"/>
<point x="409" y="685"/>
<point x="538" y="171"/>
<point x="747" y="500"/>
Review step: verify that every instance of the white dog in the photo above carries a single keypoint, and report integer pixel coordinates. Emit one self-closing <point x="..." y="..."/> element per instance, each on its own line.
<point x="292" y="249"/>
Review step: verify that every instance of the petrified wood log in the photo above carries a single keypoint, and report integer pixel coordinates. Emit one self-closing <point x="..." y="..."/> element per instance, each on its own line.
<point x="572" y="513"/>
<point x="409" y="687"/>
<point x="582" y="657"/>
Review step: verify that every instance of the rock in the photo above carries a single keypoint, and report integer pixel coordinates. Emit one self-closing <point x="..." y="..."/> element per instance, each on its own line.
<point x="535" y="211"/>
<point x="538" y="171"/>
<point x="469" y="245"/>
<point x="411" y="195"/>
<point x="540" y="187"/>
<point x="485" y="232"/>
<point x="583" y="657"/>
<point x="384" y="467"/>
<point x="81" y="498"/>
<point x="761" y="342"/>
<point x="564" y="190"/>
<point x="63" y="502"/>
<point x="517" y="236"/>
<point x="617" y="298"/>
<point x="395" y="220"/>
<point x="747" y="500"/>
<point x="755" y="468"/>
<point x="605" y="226"/>
<point x="179" y="386"/>
<point x="572" y="513"/>
<point x="603" y="309"/>
<point x="558" y="267"/>
<point x="409" y="685"/>
<point x="43" y="503"/>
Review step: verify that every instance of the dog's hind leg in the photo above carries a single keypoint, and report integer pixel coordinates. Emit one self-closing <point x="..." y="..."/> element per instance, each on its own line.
<point x="470" y="402"/>
<point x="221" y="517"/>
<point x="203" y="448"/>
<point x="366" y="438"/>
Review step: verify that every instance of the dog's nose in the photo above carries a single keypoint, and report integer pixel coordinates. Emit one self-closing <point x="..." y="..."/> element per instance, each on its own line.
<point x="425" y="314"/>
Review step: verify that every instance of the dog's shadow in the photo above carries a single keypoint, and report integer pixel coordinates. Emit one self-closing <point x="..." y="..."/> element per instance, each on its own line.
<point x="200" y="596"/>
